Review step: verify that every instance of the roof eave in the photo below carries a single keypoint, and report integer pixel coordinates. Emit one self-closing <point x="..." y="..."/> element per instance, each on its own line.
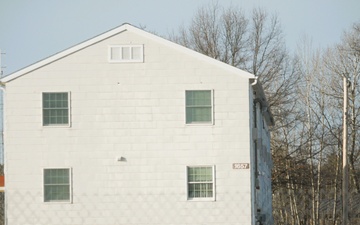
<point x="111" y="33"/>
<point x="63" y="53"/>
<point x="260" y="97"/>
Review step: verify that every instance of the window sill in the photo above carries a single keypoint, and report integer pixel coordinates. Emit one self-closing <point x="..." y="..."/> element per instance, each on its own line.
<point x="58" y="202"/>
<point x="126" y="61"/>
<point x="201" y="199"/>
<point x="200" y="124"/>
<point x="56" y="126"/>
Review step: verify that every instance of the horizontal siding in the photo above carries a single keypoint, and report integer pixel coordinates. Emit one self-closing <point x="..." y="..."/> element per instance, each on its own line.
<point x="137" y="111"/>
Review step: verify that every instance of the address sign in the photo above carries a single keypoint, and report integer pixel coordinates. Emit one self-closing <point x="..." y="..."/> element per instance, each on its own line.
<point x="241" y="166"/>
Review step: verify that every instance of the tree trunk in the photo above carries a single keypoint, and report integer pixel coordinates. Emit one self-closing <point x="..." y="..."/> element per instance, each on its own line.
<point x="334" y="217"/>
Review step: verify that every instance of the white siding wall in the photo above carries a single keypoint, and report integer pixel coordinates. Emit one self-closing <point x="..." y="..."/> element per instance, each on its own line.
<point x="133" y="110"/>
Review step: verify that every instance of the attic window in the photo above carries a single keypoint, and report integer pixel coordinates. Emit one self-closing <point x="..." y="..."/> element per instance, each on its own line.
<point x="126" y="53"/>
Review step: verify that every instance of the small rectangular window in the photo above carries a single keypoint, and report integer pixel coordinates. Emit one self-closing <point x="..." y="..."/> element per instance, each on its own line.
<point x="199" y="107"/>
<point x="201" y="182"/>
<point x="55" y="108"/>
<point x="126" y="53"/>
<point x="57" y="185"/>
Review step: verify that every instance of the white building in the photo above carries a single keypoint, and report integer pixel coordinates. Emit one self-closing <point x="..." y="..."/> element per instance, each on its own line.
<point x="129" y="128"/>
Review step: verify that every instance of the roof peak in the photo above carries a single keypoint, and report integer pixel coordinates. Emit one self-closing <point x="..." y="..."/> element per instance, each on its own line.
<point x="108" y="34"/>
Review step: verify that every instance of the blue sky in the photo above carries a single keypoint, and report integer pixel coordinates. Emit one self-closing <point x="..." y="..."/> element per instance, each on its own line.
<point x="31" y="30"/>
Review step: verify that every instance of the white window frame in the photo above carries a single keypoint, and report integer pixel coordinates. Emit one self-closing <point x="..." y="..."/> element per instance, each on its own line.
<point x="42" y="110"/>
<point x="121" y="60"/>
<point x="70" y="185"/>
<point x="212" y="109"/>
<point x="213" y="198"/>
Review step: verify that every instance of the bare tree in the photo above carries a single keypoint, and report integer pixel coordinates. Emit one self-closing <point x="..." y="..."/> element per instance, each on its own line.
<point x="344" y="60"/>
<point x="255" y="43"/>
<point x="305" y="96"/>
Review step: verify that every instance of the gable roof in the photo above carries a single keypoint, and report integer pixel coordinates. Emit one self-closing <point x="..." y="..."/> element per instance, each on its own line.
<point x="113" y="32"/>
<point x="129" y="27"/>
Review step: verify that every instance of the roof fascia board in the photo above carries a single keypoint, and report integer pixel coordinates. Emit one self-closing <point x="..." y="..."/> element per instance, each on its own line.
<point x="190" y="52"/>
<point x="63" y="54"/>
<point x="261" y="97"/>
<point x="116" y="31"/>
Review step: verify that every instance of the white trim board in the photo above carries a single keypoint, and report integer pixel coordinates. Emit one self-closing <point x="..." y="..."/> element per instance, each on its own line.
<point x="115" y="31"/>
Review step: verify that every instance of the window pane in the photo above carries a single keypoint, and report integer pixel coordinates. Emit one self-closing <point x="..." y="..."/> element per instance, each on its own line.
<point x="208" y="174"/>
<point x="57" y="193"/>
<point x="136" y="53"/>
<point x="56" y="176"/>
<point x="200" y="190"/>
<point x="115" y="53"/>
<point x="198" y="98"/>
<point x="61" y="100"/>
<point x="191" y="174"/>
<point x="198" y="114"/>
<point x="126" y="53"/>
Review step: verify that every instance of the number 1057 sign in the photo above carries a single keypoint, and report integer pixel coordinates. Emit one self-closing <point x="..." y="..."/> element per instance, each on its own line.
<point x="241" y="166"/>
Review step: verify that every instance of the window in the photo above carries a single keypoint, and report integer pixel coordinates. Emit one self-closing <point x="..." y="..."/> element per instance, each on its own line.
<point x="57" y="185"/>
<point x="201" y="183"/>
<point x="55" y="108"/>
<point x="199" y="107"/>
<point x="126" y="53"/>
